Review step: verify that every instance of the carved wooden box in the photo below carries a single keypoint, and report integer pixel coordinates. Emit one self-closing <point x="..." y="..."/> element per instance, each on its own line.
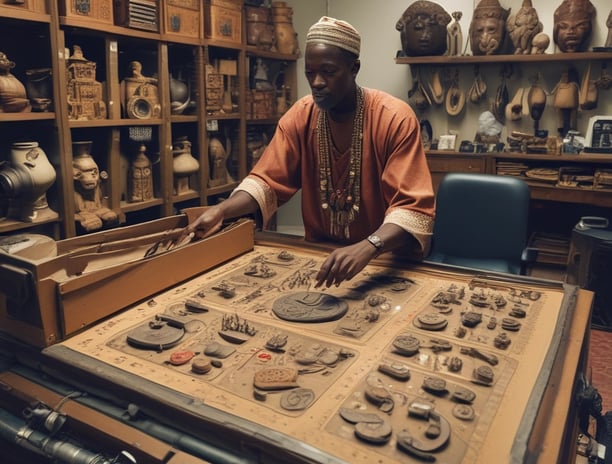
<point x="223" y="20"/>
<point x="182" y="17"/>
<point x="95" y="10"/>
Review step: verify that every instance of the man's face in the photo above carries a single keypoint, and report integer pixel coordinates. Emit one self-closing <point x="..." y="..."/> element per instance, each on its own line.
<point x="330" y="74"/>
<point x="571" y="33"/>
<point x="424" y="35"/>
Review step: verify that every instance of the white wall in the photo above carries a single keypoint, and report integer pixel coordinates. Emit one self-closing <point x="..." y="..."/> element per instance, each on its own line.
<point x="376" y="20"/>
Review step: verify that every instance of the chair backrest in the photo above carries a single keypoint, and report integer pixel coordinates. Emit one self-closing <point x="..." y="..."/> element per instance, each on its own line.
<point x="481" y="221"/>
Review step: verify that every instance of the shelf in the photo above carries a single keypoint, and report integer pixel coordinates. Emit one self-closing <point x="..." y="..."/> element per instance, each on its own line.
<point x="581" y="158"/>
<point x="32" y="116"/>
<point x="484" y="59"/>
<point x="75" y="124"/>
<point x="22" y="14"/>
<point x="129" y="207"/>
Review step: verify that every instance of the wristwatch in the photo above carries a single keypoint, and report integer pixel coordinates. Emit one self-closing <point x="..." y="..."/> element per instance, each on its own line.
<point x="376" y="242"/>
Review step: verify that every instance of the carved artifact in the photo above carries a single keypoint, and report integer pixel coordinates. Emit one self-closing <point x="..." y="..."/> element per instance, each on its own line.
<point x="89" y="200"/>
<point x="423" y="30"/>
<point x="84" y="92"/>
<point x="309" y="307"/>
<point x="217" y="157"/>
<point x="573" y="24"/>
<point x="139" y="95"/>
<point x="183" y="165"/>
<point x="13" y="98"/>
<point x="523" y="26"/>
<point x="488" y="28"/>
<point x="454" y="35"/>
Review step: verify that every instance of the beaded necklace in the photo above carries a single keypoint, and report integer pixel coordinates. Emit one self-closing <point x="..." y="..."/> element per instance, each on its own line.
<point x="341" y="203"/>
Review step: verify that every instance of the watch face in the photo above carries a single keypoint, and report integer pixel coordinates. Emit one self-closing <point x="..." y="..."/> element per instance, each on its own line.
<point x="376" y="241"/>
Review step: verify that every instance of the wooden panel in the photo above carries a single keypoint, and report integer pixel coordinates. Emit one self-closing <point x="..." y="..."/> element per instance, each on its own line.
<point x="96" y="10"/>
<point x="182" y="17"/>
<point x="224" y="20"/>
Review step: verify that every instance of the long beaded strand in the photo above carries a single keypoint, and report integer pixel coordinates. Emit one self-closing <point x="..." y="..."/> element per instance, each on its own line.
<point x="343" y="205"/>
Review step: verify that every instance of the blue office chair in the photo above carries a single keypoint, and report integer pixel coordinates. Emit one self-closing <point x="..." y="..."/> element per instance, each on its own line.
<point x="481" y="223"/>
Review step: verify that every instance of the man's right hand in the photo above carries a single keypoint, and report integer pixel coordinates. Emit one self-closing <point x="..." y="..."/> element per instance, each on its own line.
<point x="207" y="223"/>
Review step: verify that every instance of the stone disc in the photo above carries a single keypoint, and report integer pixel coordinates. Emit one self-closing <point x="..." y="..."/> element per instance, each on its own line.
<point x="155" y="336"/>
<point x="309" y="307"/>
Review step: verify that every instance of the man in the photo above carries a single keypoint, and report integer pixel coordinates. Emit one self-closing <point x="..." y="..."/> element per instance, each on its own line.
<point x="355" y="153"/>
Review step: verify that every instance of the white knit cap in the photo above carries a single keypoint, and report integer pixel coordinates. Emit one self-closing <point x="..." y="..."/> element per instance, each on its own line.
<point x="336" y="32"/>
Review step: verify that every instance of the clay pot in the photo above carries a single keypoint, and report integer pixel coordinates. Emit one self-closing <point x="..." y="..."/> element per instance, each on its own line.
<point x="36" y="175"/>
<point x="286" y="38"/>
<point x="183" y="164"/>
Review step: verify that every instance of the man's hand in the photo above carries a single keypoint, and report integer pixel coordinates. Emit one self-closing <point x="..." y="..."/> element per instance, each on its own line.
<point x="207" y="223"/>
<point x="344" y="263"/>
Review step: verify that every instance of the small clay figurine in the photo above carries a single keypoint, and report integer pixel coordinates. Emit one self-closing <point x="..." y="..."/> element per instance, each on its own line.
<point x="218" y="163"/>
<point x="539" y="43"/>
<point x="455" y="35"/>
<point x="423" y="29"/>
<point x="13" y="98"/>
<point x="90" y="210"/>
<point x="523" y="26"/>
<point x="488" y="28"/>
<point x="573" y="24"/>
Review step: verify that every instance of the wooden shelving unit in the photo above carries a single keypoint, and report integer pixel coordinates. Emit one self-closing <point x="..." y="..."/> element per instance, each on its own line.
<point x="37" y="34"/>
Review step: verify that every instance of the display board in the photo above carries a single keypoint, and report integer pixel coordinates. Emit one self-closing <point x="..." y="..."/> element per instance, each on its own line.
<point x="400" y="363"/>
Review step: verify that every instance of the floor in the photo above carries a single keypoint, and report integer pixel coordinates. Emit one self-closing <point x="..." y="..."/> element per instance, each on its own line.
<point x="599" y="366"/>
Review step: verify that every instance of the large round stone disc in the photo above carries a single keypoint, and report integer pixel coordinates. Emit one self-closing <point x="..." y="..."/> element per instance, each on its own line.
<point x="155" y="336"/>
<point x="309" y="307"/>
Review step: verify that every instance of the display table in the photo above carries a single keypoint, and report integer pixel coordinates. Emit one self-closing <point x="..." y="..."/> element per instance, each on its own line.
<point x="405" y="363"/>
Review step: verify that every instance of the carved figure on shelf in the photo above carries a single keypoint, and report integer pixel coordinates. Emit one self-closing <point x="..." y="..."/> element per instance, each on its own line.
<point x="488" y="28"/>
<point x="540" y="43"/>
<point x="183" y="165"/>
<point x="523" y="26"/>
<point x="89" y="201"/>
<point x="566" y="101"/>
<point x="422" y="29"/>
<point x="13" y="97"/>
<point x="573" y="24"/>
<point x="83" y="91"/>
<point x="139" y="94"/>
<point x="455" y="35"/>
<point x="140" y="177"/>
<point x="218" y="163"/>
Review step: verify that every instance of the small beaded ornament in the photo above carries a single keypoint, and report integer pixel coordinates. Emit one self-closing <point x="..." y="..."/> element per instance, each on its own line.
<point x="341" y="202"/>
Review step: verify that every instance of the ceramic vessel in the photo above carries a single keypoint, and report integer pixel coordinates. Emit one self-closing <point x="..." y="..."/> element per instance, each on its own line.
<point x="183" y="164"/>
<point x="29" y="178"/>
